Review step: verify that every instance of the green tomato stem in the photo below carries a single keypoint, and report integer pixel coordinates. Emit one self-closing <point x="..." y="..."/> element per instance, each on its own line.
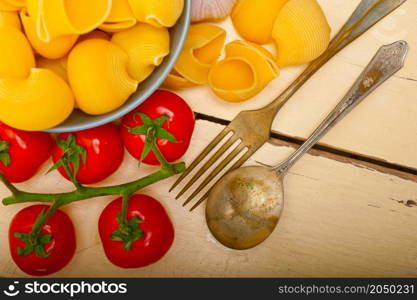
<point x="72" y="176"/>
<point x="42" y="219"/>
<point x="19" y="196"/>
<point x="125" y="203"/>
<point x="164" y="163"/>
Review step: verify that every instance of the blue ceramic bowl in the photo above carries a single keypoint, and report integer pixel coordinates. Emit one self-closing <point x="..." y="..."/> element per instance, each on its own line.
<point x="80" y="121"/>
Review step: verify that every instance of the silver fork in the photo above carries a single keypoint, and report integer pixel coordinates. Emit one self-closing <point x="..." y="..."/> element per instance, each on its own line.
<point x="251" y="129"/>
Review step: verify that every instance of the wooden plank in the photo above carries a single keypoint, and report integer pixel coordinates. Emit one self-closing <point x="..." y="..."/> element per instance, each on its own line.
<point x="383" y="127"/>
<point x="340" y="219"/>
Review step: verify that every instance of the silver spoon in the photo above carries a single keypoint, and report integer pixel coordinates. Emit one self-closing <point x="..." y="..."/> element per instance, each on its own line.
<point x="244" y="207"/>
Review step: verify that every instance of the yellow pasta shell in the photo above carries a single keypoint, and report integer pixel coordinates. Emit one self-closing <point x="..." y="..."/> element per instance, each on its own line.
<point x="160" y="13"/>
<point x="11" y="5"/>
<point x="16" y="56"/>
<point x="10" y="18"/>
<point x="202" y="48"/>
<point x="53" y="49"/>
<point x="17" y="3"/>
<point x="121" y="17"/>
<point x="245" y="71"/>
<point x="146" y="47"/>
<point x="95" y="34"/>
<point x="58" y="66"/>
<point x="54" y="18"/>
<point x="301" y="32"/>
<point x="176" y="81"/>
<point x="97" y="72"/>
<point x="38" y="102"/>
<point x="254" y="20"/>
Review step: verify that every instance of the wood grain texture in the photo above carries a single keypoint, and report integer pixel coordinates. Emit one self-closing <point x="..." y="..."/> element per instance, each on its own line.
<point x="340" y="219"/>
<point x="383" y="127"/>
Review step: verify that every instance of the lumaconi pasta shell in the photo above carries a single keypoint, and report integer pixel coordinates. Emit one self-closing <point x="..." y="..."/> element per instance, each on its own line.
<point x="56" y="48"/>
<point x="11" y="5"/>
<point x="160" y="13"/>
<point x="254" y="20"/>
<point x="202" y="49"/>
<point x="97" y="72"/>
<point x="58" y="66"/>
<point x="121" y="17"/>
<point x="95" y="34"/>
<point x="54" y="18"/>
<point x="176" y="81"/>
<point x="245" y="71"/>
<point x="301" y="32"/>
<point x="38" y="102"/>
<point x="17" y="3"/>
<point x="146" y="47"/>
<point x="16" y="56"/>
<point x="261" y="59"/>
<point x="10" y="18"/>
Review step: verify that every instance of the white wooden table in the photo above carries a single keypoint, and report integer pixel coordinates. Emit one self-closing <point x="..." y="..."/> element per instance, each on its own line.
<point x="350" y="207"/>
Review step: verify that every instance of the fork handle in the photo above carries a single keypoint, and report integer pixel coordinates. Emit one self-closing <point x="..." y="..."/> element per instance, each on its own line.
<point x="367" y="14"/>
<point x="388" y="60"/>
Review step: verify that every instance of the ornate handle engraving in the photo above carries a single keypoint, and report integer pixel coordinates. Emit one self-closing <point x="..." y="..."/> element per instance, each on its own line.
<point x="388" y="60"/>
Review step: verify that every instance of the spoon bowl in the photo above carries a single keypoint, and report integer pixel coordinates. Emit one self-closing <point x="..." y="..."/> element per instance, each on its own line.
<point x="244" y="208"/>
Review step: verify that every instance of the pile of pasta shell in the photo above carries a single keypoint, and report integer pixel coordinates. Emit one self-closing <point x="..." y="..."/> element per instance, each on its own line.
<point x="57" y="55"/>
<point x="298" y="29"/>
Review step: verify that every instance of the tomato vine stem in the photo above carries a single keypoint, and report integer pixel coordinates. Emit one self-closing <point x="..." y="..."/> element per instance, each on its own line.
<point x="19" y="196"/>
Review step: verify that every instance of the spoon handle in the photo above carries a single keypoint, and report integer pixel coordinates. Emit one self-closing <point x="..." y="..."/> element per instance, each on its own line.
<point x="388" y="60"/>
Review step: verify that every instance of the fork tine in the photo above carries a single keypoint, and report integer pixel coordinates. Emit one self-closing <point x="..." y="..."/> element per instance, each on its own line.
<point x="201" y="156"/>
<point x="216" y="171"/>
<point x="208" y="164"/>
<point x="236" y="165"/>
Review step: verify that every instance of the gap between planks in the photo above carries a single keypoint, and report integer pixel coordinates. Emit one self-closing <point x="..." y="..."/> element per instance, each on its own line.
<point x="341" y="155"/>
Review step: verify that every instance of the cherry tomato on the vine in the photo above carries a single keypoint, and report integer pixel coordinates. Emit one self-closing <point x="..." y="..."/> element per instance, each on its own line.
<point x="60" y="246"/>
<point x="180" y="123"/>
<point x="22" y="152"/>
<point x="157" y="232"/>
<point x="104" y="153"/>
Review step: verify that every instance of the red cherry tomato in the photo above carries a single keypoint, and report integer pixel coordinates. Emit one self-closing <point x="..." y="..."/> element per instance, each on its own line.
<point x="180" y="124"/>
<point x="26" y="152"/>
<point x="158" y="232"/>
<point x="105" y="151"/>
<point x="62" y="246"/>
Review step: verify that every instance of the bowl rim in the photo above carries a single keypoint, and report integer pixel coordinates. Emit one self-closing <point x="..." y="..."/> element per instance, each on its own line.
<point x="128" y="107"/>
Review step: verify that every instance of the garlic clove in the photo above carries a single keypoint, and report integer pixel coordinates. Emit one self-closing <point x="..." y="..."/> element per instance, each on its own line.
<point x="203" y="10"/>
